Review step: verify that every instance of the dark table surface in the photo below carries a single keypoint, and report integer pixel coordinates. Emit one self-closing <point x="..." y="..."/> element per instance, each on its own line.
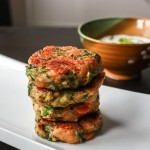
<point x="19" y="43"/>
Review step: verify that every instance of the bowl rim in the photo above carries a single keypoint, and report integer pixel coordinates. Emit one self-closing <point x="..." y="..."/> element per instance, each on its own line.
<point x="106" y="43"/>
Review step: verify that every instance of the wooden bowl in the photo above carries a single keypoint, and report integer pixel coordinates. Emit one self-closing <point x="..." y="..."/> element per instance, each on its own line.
<point x="120" y="61"/>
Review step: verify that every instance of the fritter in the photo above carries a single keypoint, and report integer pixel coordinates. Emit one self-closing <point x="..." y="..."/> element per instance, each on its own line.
<point x="70" y="132"/>
<point x="58" y="68"/>
<point x="66" y="97"/>
<point x="69" y="113"/>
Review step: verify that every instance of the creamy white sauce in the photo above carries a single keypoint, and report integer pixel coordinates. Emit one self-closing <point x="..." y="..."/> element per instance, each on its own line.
<point x="124" y="39"/>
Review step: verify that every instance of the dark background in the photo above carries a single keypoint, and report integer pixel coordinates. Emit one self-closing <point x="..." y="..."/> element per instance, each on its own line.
<point x="5" y="18"/>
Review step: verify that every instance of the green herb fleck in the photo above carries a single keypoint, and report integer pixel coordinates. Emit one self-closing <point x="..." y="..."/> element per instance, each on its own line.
<point x="52" y="85"/>
<point x="47" y="111"/>
<point x="126" y="41"/>
<point x="29" y="89"/>
<point x="77" y="136"/>
<point x="85" y="96"/>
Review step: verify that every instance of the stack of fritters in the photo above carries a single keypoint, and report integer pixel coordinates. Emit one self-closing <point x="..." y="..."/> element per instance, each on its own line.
<point x="63" y="86"/>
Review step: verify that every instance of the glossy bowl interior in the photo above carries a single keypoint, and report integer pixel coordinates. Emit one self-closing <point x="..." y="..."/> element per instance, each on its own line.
<point x="120" y="61"/>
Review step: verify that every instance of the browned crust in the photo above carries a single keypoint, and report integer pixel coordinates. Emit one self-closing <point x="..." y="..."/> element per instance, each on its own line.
<point x="65" y="131"/>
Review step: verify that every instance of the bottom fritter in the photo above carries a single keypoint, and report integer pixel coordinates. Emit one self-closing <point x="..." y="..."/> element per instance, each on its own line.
<point x="70" y="132"/>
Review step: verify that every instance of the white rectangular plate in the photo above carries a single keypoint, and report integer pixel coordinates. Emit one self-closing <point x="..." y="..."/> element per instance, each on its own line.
<point x="125" y="114"/>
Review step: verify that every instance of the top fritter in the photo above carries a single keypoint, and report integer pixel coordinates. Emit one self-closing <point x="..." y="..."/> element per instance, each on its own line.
<point x="58" y="68"/>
